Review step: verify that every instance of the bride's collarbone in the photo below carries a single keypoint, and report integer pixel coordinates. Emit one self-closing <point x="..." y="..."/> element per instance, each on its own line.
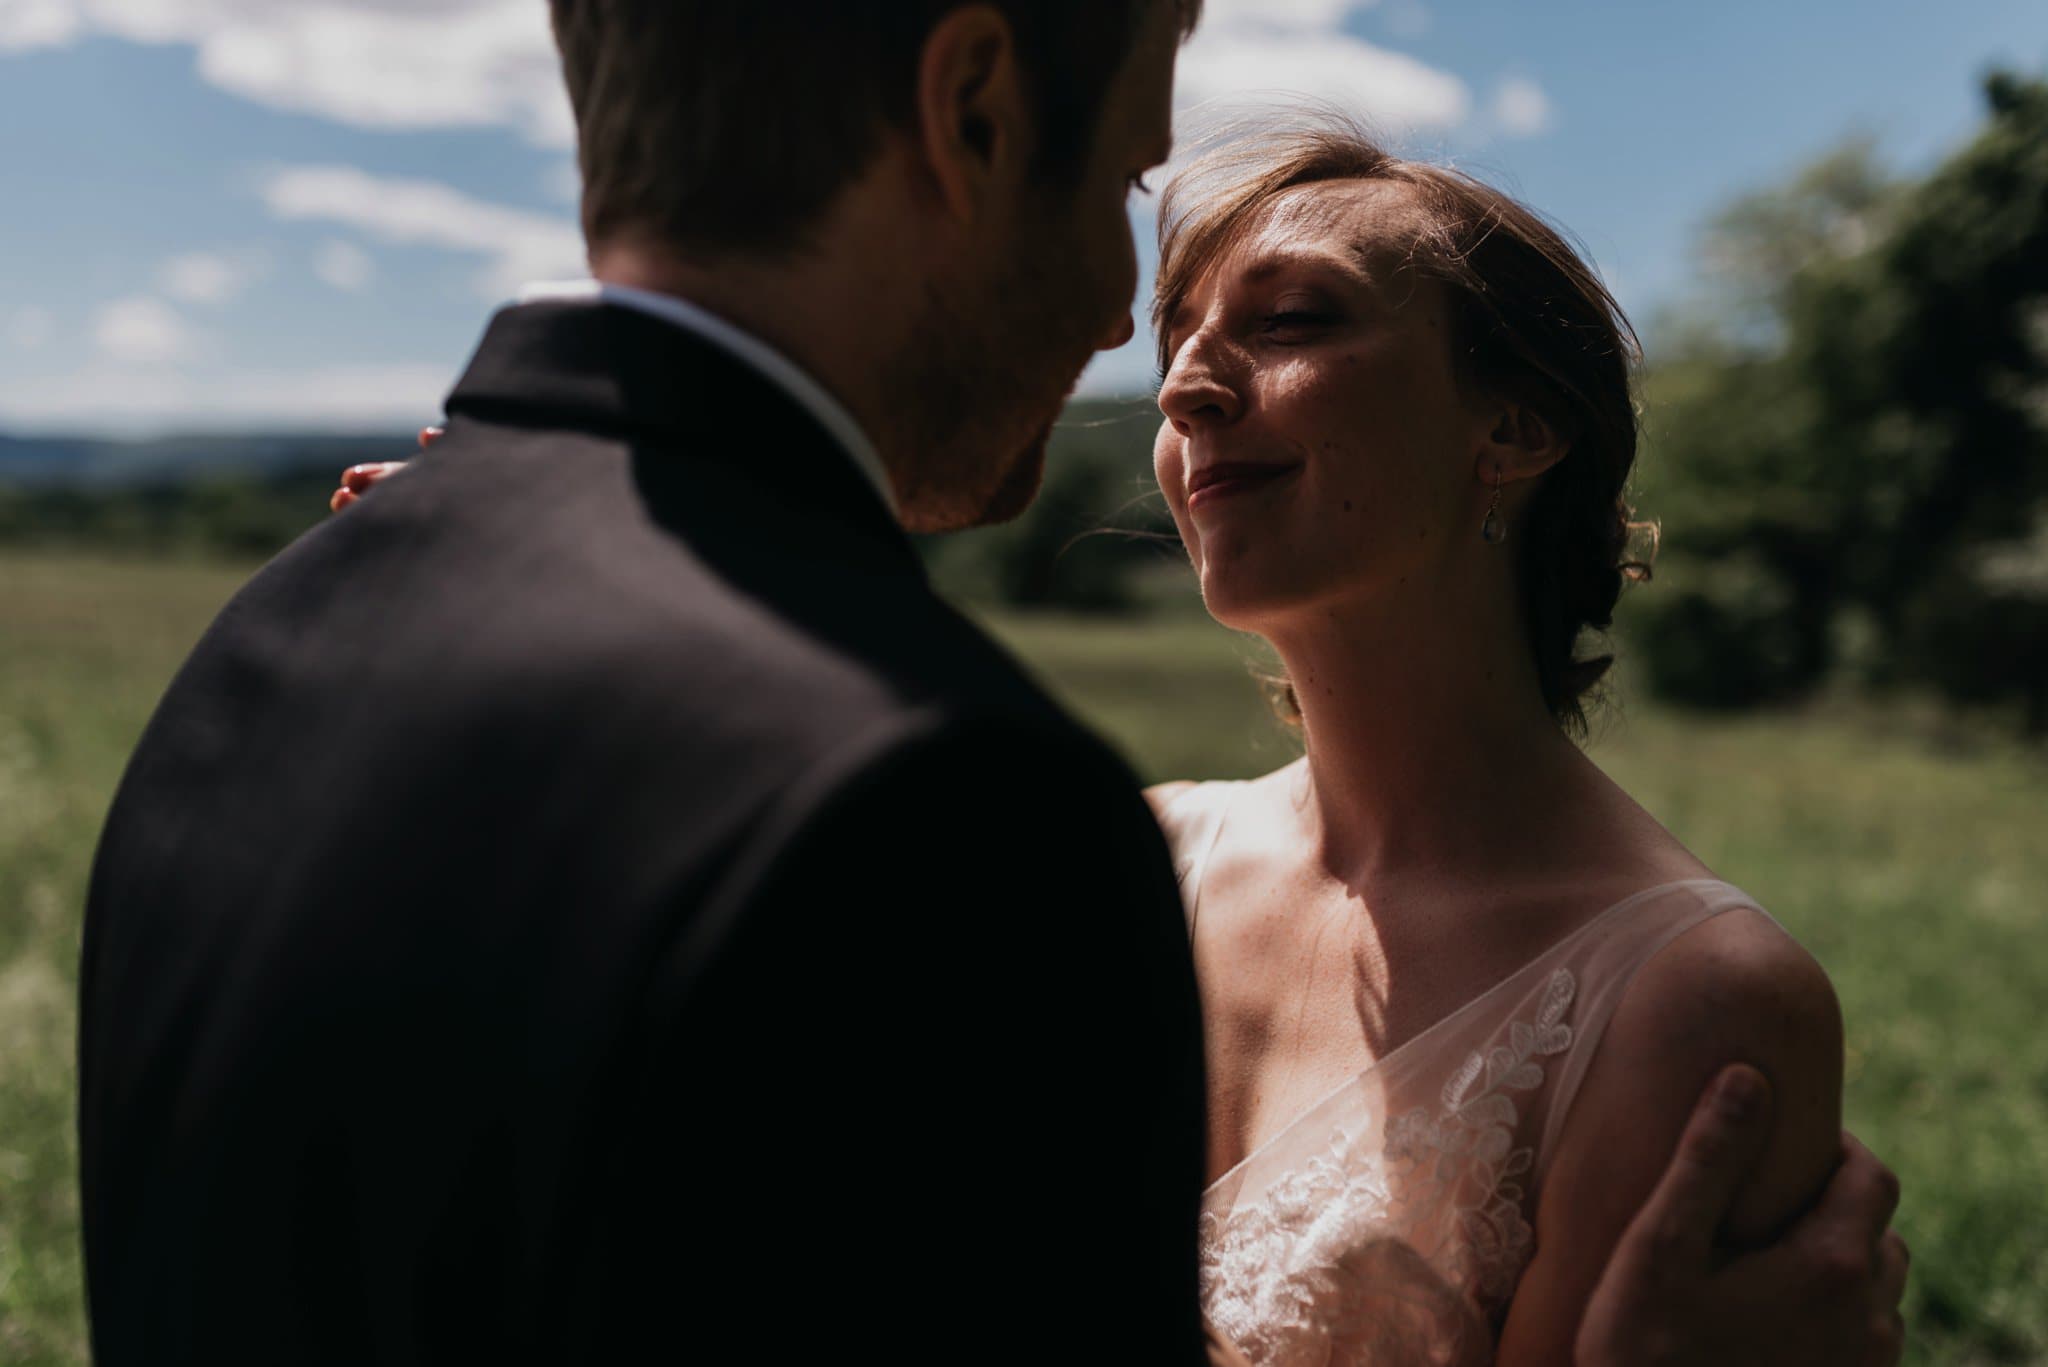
<point x="1308" y="980"/>
<point x="1262" y="916"/>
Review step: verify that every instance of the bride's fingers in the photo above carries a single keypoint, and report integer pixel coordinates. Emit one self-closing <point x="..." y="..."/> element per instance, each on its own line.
<point x="357" y="479"/>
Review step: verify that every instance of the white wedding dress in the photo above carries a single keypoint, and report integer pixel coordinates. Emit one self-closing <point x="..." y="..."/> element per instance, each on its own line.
<point x="1389" y="1223"/>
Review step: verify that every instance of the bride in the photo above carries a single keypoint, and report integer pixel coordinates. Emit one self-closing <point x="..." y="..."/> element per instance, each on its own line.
<point x="1460" y="992"/>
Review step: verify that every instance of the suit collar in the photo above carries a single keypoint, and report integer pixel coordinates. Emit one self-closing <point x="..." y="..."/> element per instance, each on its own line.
<point x="592" y="366"/>
<point x="801" y="385"/>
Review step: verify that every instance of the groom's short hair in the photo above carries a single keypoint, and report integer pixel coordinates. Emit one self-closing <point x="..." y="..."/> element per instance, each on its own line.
<point x="730" y="125"/>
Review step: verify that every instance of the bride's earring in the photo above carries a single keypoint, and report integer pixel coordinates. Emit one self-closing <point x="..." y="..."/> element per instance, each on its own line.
<point x="1493" y="531"/>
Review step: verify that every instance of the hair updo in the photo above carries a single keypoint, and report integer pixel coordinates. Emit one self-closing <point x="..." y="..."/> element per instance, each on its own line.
<point x="1530" y="320"/>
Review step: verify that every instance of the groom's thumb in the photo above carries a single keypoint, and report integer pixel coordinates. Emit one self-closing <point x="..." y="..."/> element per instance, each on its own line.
<point x="1719" y="1148"/>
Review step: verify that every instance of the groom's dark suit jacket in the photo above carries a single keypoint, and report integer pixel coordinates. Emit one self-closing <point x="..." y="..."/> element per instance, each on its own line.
<point x="591" y="902"/>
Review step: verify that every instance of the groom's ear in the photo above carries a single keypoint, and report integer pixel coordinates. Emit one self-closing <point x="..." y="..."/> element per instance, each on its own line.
<point x="972" y="118"/>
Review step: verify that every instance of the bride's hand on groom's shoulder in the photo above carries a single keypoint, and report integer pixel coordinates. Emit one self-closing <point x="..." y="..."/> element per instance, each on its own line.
<point x="1827" y="1291"/>
<point x="358" y="480"/>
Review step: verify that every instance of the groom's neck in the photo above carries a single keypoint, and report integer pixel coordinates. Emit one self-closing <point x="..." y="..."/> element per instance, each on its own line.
<point x="835" y="315"/>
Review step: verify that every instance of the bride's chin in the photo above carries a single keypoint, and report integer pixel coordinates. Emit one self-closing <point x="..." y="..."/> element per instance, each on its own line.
<point x="1259" y="594"/>
<point x="1230" y="602"/>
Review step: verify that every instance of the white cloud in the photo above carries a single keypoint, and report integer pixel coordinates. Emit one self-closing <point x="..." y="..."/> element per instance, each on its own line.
<point x="344" y="265"/>
<point x="491" y="63"/>
<point x="208" y="277"/>
<point x="143" y="331"/>
<point x="31" y="329"/>
<point x="519" y="246"/>
<point x="1301" y="47"/>
<point x="132" y="401"/>
<point x="1521" y="108"/>
<point x="373" y="63"/>
<point x="1283" y="13"/>
<point x="26" y="24"/>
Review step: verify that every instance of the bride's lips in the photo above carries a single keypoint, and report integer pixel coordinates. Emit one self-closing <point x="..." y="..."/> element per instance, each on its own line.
<point x="1229" y="478"/>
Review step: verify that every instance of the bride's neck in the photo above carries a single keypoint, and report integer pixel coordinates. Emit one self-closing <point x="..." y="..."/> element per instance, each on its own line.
<point x="1429" y="746"/>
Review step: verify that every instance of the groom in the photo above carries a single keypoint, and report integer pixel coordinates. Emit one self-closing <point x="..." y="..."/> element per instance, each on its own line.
<point x="593" y="903"/>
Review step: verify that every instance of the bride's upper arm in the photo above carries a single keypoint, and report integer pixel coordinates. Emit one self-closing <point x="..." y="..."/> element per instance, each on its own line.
<point x="1735" y="988"/>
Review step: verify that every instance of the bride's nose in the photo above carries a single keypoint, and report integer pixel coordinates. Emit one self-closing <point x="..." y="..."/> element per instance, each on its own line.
<point x="1198" y="389"/>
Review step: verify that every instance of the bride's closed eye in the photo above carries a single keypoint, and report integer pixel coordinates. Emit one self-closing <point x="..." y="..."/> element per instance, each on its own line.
<point x="1296" y="322"/>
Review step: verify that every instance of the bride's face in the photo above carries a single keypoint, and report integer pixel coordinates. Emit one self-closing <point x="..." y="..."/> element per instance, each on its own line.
<point x="1317" y="444"/>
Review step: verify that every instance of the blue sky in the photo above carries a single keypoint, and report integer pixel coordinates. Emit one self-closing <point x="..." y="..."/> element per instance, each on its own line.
<point x="266" y="214"/>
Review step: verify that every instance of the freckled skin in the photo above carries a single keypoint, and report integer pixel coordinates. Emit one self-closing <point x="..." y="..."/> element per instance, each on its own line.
<point x="1364" y="400"/>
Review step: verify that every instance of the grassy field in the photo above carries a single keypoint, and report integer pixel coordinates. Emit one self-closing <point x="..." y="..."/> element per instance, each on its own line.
<point x="1912" y="864"/>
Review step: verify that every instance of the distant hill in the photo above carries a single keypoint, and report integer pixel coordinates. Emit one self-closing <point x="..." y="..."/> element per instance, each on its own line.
<point x="1097" y="530"/>
<point x="88" y="462"/>
<point x="43" y="462"/>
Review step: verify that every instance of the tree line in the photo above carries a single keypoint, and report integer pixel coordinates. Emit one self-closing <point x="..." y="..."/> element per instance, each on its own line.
<point x="1849" y="446"/>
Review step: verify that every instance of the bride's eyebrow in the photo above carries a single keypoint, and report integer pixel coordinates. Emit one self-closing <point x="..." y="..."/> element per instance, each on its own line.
<point x="1266" y="265"/>
<point x="1346" y="267"/>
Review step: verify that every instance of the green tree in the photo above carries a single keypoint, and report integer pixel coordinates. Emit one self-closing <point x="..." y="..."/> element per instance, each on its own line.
<point x="1863" y="417"/>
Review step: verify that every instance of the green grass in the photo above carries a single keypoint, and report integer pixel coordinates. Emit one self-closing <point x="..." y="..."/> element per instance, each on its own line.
<point x="1908" y="860"/>
<point x="85" y="648"/>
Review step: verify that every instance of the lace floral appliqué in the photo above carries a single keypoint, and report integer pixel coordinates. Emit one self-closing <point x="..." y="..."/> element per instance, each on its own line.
<point x="1463" y="1159"/>
<point x="1398" y="1247"/>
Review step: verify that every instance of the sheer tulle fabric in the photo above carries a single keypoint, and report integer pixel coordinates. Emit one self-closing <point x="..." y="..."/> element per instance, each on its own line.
<point x="1389" y="1224"/>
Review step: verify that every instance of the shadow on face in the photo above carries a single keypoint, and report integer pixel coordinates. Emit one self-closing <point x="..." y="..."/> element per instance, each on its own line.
<point x="1318" y="443"/>
<point x="1002" y="343"/>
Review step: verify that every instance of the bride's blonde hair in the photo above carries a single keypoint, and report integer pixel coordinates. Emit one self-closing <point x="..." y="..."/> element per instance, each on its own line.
<point x="1531" y="319"/>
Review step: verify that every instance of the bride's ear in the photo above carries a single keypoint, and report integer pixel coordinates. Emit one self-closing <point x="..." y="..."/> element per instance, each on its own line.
<point x="1521" y="444"/>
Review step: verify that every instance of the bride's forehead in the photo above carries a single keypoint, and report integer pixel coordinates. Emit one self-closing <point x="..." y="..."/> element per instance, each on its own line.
<point x="1364" y="219"/>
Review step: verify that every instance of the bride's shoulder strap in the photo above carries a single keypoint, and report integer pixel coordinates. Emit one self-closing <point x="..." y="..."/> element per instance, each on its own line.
<point x="1604" y="962"/>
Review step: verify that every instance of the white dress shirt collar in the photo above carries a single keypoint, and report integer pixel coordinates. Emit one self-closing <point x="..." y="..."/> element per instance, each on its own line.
<point x="830" y="413"/>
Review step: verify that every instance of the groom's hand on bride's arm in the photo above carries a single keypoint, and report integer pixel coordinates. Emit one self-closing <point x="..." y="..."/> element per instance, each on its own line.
<point x="358" y="480"/>
<point x="1827" y="1291"/>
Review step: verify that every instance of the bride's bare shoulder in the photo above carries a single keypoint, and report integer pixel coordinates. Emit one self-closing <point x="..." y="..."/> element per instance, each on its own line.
<point x="1176" y="805"/>
<point x="1174" y="810"/>
<point x="1161" y="795"/>
<point x="1734" y="988"/>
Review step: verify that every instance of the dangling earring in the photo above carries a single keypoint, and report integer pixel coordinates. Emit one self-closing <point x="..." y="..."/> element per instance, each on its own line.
<point x="1493" y="531"/>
